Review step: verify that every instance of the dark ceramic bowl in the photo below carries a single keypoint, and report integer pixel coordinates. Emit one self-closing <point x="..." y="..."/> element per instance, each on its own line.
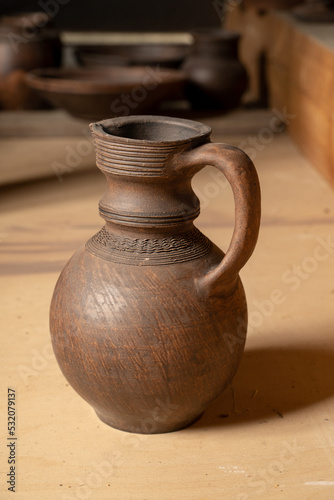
<point x="96" y="93"/>
<point x="165" y="54"/>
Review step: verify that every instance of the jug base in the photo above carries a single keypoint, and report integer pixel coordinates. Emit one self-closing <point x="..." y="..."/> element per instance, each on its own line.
<point x="149" y="426"/>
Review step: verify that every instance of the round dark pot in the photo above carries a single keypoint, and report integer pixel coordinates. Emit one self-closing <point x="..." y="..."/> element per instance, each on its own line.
<point x="216" y="78"/>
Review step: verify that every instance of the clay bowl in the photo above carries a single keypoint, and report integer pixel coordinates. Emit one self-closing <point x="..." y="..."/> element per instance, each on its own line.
<point x="96" y="93"/>
<point x="165" y="54"/>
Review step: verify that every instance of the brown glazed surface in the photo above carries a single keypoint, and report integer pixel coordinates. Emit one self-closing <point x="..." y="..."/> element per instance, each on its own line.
<point x="148" y="319"/>
<point x="216" y="78"/>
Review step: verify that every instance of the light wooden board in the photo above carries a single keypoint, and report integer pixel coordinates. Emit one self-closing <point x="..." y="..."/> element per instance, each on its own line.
<point x="300" y="71"/>
<point x="270" y="435"/>
<point x="301" y="77"/>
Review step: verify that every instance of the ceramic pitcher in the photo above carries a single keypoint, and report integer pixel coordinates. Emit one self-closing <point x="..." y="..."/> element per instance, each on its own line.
<point x="148" y="318"/>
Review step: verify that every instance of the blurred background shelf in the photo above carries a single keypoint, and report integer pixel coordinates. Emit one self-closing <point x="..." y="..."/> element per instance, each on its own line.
<point x="296" y="63"/>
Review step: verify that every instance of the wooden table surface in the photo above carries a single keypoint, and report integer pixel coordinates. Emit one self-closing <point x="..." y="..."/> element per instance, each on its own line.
<point x="270" y="435"/>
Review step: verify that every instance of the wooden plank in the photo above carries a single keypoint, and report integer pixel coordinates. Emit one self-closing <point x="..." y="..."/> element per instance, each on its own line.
<point x="300" y="78"/>
<point x="312" y="131"/>
<point x="305" y="66"/>
<point x="311" y="69"/>
<point x="279" y="88"/>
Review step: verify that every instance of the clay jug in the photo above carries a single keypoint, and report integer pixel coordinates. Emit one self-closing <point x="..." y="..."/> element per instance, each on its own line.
<point x="148" y="319"/>
<point x="216" y="77"/>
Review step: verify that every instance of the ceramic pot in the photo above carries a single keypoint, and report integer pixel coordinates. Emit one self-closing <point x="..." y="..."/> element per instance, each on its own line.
<point x="148" y="319"/>
<point x="27" y="41"/>
<point x="216" y="77"/>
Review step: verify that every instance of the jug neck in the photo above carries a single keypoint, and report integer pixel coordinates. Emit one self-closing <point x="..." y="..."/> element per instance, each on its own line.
<point x="135" y="153"/>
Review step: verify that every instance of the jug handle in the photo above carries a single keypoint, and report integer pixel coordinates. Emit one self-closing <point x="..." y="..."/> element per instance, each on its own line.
<point x="240" y="172"/>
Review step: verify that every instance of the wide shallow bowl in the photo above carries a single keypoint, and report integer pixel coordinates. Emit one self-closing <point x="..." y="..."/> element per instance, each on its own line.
<point x="164" y="54"/>
<point x="96" y="93"/>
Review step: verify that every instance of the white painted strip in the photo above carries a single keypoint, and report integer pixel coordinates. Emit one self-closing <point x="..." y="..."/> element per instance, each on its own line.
<point x="320" y="483"/>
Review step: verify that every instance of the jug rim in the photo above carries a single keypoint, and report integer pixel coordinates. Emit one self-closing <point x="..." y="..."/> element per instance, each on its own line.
<point x="136" y="127"/>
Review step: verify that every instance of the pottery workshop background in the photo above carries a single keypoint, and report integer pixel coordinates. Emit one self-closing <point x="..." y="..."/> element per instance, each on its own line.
<point x="156" y="368"/>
